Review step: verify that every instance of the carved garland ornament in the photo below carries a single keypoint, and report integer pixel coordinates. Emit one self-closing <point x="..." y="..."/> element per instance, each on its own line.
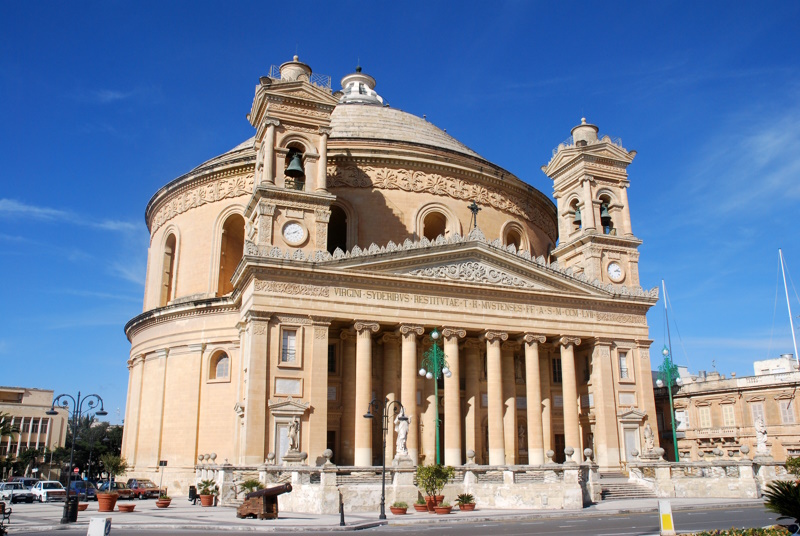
<point x="419" y="181"/>
<point x="207" y="193"/>
<point x="473" y="272"/>
<point x="295" y="289"/>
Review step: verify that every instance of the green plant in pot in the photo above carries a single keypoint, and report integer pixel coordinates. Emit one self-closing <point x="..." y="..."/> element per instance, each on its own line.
<point x="163" y="500"/>
<point x="432" y="479"/>
<point x="251" y="485"/>
<point x="466" y="502"/>
<point x="208" y="491"/>
<point x="114" y="466"/>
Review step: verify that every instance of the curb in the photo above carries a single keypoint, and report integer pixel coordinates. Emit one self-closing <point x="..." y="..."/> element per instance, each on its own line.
<point x="209" y="527"/>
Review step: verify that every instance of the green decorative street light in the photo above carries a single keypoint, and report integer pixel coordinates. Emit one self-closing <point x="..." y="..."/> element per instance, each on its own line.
<point x="434" y="366"/>
<point x="668" y="376"/>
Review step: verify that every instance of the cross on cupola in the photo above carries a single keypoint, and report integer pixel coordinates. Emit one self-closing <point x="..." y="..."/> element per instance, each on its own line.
<point x="474" y="208"/>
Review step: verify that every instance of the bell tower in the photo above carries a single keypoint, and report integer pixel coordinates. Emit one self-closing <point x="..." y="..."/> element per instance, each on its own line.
<point x="590" y="184"/>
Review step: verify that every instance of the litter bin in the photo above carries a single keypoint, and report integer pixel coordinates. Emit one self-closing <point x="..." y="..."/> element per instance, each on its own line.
<point x="193" y="494"/>
<point x="72" y="509"/>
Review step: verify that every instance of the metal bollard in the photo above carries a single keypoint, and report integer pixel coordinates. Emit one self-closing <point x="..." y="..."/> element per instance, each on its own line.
<point x="341" y="510"/>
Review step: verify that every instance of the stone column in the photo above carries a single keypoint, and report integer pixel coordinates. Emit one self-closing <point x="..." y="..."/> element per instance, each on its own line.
<point x="546" y="376"/>
<point x="569" y="391"/>
<point x="408" y="389"/>
<point x="606" y="437"/>
<point x="269" y="153"/>
<point x="452" y="397"/>
<point x="347" y="422"/>
<point x="587" y="215"/>
<point x="322" y="164"/>
<point x="627" y="230"/>
<point x="318" y="390"/>
<point x="533" y="392"/>
<point x="510" y="437"/>
<point x="391" y="351"/>
<point x="494" y="388"/>
<point x="363" y="387"/>
<point x="472" y="366"/>
<point x="254" y="433"/>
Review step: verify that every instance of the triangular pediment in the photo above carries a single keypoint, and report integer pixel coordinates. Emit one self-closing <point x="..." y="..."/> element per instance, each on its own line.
<point x="603" y="148"/>
<point x="303" y="91"/>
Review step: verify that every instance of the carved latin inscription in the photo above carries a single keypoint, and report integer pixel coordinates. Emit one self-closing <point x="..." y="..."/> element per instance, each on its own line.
<point x="296" y="289"/>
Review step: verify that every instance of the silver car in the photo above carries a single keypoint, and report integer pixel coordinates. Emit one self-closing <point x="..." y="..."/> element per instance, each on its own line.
<point x="15" y="492"/>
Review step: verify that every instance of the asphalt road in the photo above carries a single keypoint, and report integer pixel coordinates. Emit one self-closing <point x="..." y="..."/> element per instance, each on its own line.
<point x="612" y="525"/>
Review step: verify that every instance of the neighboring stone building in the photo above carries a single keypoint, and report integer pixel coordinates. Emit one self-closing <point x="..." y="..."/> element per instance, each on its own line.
<point x="301" y="273"/>
<point x="715" y="412"/>
<point x="27" y="407"/>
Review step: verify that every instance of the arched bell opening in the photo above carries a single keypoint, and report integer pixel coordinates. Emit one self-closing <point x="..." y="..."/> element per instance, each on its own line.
<point x="294" y="173"/>
<point x="337" y="229"/>
<point x="606" y="220"/>
<point x="434" y="224"/>
<point x="577" y="221"/>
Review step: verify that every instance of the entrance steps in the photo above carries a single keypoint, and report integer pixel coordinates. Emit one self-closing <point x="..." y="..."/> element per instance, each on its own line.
<point x="623" y="490"/>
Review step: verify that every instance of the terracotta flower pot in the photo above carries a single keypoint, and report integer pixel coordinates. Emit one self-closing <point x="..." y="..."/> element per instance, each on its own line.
<point x="127" y="508"/>
<point x="421" y="507"/>
<point x="163" y="503"/>
<point x="82" y="506"/>
<point x="439" y="499"/>
<point x="430" y="502"/>
<point x="206" y="500"/>
<point x="441" y="510"/>
<point x="106" y="502"/>
<point x="466" y="507"/>
<point x="398" y="511"/>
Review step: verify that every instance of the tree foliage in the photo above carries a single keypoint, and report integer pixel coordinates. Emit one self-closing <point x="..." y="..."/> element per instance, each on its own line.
<point x="783" y="497"/>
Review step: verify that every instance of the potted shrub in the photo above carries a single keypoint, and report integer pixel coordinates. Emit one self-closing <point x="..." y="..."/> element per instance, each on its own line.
<point x="114" y="466"/>
<point x="127" y="508"/>
<point x="466" y="502"/>
<point x="163" y="500"/>
<point x="443" y="508"/>
<point x="251" y="485"/>
<point x="398" y="508"/>
<point x="420" y="505"/>
<point x="208" y="490"/>
<point x="433" y="479"/>
<point x="82" y="506"/>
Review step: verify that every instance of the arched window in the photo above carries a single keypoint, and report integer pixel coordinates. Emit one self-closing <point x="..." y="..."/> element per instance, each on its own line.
<point x="577" y="219"/>
<point x="220" y="368"/>
<point x="337" y="229"/>
<point x="231" y="250"/>
<point x="294" y="173"/>
<point x="168" y="270"/>
<point x="434" y="224"/>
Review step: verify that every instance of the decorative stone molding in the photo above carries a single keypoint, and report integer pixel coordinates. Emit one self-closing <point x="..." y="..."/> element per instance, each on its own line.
<point x="288" y="406"/>
<point x="390" y="338"/>
<point x="531" y="338"/>
<point x="292" y="319"/>
<point x="365" y="328"/>
<point x="473" y="271"/>
<point x="493" y="336"/>
<point x="352" y="176"/>
<point x="448" y="332"/>
<point x="406" y="329"/>
<point x="568" y="340"/>
<point x="294" y="289"/>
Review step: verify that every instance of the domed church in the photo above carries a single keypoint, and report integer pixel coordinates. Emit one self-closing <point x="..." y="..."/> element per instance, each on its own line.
<point x="328" y="260"/>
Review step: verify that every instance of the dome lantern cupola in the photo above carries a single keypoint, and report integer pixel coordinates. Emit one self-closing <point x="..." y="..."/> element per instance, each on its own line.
<point x="359" y="88"/>
<point x="295" y="70"/>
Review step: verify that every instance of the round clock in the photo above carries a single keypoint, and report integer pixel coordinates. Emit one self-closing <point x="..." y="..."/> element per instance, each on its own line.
<point x="294" y="233"/>
<point x="615" y="272"/>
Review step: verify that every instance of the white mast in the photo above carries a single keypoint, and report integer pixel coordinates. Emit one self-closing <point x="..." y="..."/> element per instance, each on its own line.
<point x="789" y="305"/>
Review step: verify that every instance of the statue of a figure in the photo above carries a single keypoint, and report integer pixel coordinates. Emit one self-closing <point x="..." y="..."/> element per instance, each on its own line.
<point x="761" y="437"/>
<point x="401" y="423"/>
<point x="294" y="435"/>
<point x="519" y="371"/>
<point x="649" y="438"/>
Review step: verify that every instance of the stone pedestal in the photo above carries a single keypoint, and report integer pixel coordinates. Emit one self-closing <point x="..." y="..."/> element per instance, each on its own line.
<point x="402" y="460"/>
<point x="294" y="458"/>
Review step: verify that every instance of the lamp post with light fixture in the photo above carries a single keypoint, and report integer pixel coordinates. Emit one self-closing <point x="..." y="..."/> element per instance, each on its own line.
<point x="62" y="401"/>
<point x="398" y="409"/>
<point x="667" y="376"/>
<point x="433" y="366"/>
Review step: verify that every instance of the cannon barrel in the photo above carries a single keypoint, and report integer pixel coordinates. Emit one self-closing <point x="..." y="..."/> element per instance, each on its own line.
<point x="274" y="491"/>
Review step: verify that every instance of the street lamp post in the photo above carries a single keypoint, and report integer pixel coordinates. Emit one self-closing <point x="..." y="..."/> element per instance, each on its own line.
<point x="667" y="376"/>
<point x="433" y="366"/>
<point x="398" y="408"/>
<point x="78" y="410"/>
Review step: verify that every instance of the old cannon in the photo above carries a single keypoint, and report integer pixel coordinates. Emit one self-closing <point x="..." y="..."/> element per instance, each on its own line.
<point x="262" y="504"/>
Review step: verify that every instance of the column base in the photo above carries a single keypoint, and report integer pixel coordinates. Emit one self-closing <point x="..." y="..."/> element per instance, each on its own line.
<point x="452" y="457"/>
<point x="362" y="457"/>
<point x="497" y="456"/>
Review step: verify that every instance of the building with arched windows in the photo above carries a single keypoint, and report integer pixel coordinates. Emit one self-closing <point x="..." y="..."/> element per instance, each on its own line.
<point x="300" y="274"/>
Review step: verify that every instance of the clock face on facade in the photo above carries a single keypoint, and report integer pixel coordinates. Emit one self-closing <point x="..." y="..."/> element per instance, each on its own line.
<point x="615" y="272"/>
<point x="294" y="233"/>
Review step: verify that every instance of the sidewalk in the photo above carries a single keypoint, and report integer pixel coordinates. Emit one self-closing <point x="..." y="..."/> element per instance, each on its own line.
<point x="183" y="515"/>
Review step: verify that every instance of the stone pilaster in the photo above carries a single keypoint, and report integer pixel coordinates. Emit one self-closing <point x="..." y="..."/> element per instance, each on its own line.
<point x="257" y="388"/>
<point x="533" y="392"/>
<point x="606" y="438"/>
<point x="472" y="367"/>
<point x="494" y="388"/>
<point x="569" y="392"/>
<point x="363" y="387"/>
<point x="318" y="389"/>
<point x="587" y="215"/>
<point x="452" y="397"/>
<point x="268" y="176"/>
<point x="347" y="423"/>
<point x="408" y="389"/>
<point x="510" y="436"/>
<point x="322" y="165"/>
<point x="391" y="354"/>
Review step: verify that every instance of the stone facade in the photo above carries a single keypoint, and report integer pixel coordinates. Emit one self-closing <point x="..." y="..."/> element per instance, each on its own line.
<point x="300" y="275"/>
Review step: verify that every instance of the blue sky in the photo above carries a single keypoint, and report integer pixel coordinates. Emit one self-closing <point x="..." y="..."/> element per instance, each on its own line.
<point x="104" y="102"/>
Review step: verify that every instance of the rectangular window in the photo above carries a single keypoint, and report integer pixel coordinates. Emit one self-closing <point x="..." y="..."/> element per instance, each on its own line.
<point x="681" y="420"/>
<point x="557" y="370"/>
<point x="787" y="411"/>
<point x="623" y="366"/>
<point x="757" y="410"/>
<point x="35" y="426"/>
<point x="43" y="425"/>
<point x="660" y="420"/>
<point x="705" y="416"/>
<point x="331" y="359"/>
<point x="289" y="346"/>
<point x="3" y="449"/>
<point x="728" y="415"/>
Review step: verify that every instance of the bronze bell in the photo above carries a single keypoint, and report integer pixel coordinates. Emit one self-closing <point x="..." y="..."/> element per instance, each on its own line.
<point x="577" y="219"/>
<point x="605" y="216"/>
<point x="295" y="168"/>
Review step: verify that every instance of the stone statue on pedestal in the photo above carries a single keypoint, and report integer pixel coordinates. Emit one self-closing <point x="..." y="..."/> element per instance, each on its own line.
<point x="649" y="439"/>
<point x="401" y="424"/>
<point x="761" y="437"/>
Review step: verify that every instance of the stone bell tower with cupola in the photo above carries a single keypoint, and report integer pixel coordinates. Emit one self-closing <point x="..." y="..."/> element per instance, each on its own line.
<point x="590" y="184"/>
<point x="290" y="206"/>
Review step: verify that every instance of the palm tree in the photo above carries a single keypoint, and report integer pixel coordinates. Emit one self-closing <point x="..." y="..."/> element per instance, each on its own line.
<point x="783" y="497"/>
<point x="6" y="428"/>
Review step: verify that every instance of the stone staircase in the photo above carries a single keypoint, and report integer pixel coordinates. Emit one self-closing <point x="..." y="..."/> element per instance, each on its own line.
<point x="615" y="486"/>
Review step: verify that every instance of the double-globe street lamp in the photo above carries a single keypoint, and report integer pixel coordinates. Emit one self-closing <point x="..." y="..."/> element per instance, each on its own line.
<point x="398" y="408"/>
<point x="62" y="401"/>
<point x="667" y="376"/>
<point x="434" y="366"/>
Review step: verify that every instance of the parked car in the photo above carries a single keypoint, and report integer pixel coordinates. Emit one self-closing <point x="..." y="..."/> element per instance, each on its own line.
<point x="49" y="490"/>
<point x="85" y="490"/>
<point x="143" y="488"/>
<point x="15" y="492"/>
<point x="27" y="482"/>
<point x="119" y="488"/>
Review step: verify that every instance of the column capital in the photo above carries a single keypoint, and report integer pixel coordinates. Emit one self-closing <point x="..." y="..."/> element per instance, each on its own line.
<point x="450" y="331"/>
<point x="406" y="329"/>
<point x="265" y="208"/>
<point x="568" y="340"/>
<point x="492" y="336"/>
<point x="271" y="122"/>
<point x="532" y="338"/>
<point x="320" y="320"/>
<point x="325" y="131"/>
<point x="366" y="328"/>
<point x="510" y="345"/>
<point x="390" y="338"/>
<point x="475" y="344"/>
<point x="347" y="334"/>
<point x="162" y="353"/>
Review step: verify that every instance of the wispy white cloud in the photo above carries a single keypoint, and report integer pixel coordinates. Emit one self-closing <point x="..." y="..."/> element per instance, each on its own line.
<point x="11" y="207"/>
<point x="100" y="295"/>
<point x="130" y="271"/>
<point x="111" y="95"/>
